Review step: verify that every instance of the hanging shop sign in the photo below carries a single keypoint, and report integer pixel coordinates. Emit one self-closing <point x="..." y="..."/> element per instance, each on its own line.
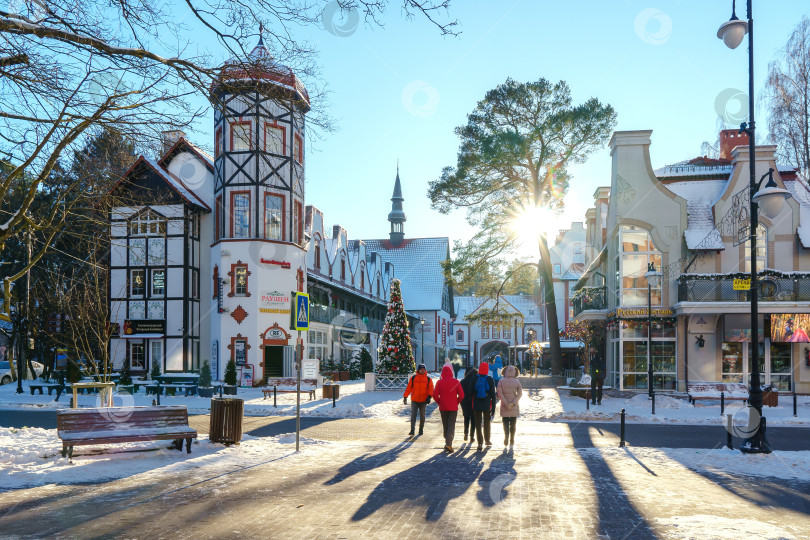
<point x="134" y="327"/>
<point x="274" y="302"/>
<point x="641" y="312"/>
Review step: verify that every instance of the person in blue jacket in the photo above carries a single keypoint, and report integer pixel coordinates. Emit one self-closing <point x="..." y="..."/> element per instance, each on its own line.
<point x="496" y="368"/>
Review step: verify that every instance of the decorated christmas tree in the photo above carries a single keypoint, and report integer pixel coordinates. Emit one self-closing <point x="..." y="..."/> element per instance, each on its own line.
<point x="396" y="354"/>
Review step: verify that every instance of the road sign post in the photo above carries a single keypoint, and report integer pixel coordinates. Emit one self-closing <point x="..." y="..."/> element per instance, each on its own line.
<point x="300" y="321"/>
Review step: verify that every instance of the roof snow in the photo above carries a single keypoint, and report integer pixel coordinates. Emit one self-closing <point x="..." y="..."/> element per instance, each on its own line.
<point x="418" y="265"/>
<point x="700" y="233"/>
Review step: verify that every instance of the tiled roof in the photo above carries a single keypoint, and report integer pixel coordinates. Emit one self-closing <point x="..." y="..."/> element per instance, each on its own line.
<point x="418" y="264"/>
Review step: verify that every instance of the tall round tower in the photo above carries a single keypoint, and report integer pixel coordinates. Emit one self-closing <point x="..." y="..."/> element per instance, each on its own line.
<point x="258" y="254"/>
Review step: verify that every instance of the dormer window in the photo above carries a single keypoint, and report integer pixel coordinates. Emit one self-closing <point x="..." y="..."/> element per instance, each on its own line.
<point x="147" y="223"/>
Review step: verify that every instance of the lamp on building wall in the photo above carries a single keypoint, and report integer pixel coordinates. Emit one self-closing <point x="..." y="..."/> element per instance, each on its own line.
<point x="653" y="278"/>
<point x="771" y="198"/>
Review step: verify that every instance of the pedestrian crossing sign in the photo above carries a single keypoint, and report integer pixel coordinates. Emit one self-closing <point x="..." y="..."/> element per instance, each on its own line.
<point x="300" y="311"/>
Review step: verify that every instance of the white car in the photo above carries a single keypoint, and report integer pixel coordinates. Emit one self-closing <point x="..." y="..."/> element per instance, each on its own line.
<point x="5" y="371"/>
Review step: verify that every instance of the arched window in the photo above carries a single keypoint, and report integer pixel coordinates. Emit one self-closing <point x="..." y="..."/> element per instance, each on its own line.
<point x="762" y="249"/>
<point x="317" y="253"/>
<point x="343" y="267"/>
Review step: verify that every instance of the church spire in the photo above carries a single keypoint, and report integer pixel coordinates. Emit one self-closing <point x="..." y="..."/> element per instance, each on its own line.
<point x="397" y="215"/>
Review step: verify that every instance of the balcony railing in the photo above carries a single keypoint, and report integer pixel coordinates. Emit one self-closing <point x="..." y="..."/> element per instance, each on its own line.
<point x="588" y="298"/>
<point x="341" y="317"/>
<point x="773" y="287"/>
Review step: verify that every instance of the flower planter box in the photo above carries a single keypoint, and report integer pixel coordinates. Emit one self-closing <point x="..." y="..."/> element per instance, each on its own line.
<point x="229" y="390"/>
<point x="336" y="375"/>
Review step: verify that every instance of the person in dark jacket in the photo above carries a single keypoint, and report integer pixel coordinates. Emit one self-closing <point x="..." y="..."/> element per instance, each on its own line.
<point x="597" y="378"/>
<point x="468" y="385"/>
<point x="483" y="404"/>
<point x="420" y="388"/>
<point x="448" y="394"/>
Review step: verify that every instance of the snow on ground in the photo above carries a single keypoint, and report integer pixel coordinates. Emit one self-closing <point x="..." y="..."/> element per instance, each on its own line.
<point x="32" y="457"/>
<point x="720" y="461"/>
<point x="537" y="404"/>
<point x="717" y="527"/>
<point x="669" y="409"/>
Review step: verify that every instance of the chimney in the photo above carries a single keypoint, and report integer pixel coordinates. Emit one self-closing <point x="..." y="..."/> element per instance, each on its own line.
<point x="171" y="137"/>
<point x="730" y="139"/>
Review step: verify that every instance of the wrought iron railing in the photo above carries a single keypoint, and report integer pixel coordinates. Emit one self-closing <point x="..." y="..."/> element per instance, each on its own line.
<point x="588" y="298"/>
<point x="773" y="287"/>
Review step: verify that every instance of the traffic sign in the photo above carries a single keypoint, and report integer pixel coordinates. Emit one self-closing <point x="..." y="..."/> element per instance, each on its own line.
<point x="300" y="311"/>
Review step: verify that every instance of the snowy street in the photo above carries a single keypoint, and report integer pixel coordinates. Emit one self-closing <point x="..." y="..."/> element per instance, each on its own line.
<point x="358" y="475"/>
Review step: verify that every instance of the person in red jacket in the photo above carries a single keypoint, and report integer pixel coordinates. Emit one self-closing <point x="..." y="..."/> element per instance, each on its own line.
<point x="420" y="388"/>
<point x="448" y="394"/>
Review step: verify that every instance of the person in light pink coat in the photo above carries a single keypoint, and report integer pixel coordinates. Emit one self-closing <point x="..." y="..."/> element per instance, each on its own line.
<point x="509" y="393"/>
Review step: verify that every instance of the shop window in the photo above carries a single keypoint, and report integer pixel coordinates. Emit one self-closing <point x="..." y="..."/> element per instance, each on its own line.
<point x="274" y="136"/>
<point x="137" y="356"/>
<point x="157" y="354"/>
<point x="137" y="283"/>
<point x="273" y="216"/>
<point x="158" y="283"/>
<point x="240" y="214"/>
<point x="240" y="136"/>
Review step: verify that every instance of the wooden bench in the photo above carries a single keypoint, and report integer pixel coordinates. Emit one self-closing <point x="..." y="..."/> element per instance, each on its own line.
<point x="50" y="386"/>
<point x="288" y="384"/>
<point x="106" y="425"/>
<point x="730" y="391"/>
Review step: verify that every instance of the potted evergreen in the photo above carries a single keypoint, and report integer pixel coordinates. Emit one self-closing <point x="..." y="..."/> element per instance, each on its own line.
<point x="155" y="373"/>
<point x="230" y="378"/>
<point x="204" y="388"/>
<point x="125" y="385"/>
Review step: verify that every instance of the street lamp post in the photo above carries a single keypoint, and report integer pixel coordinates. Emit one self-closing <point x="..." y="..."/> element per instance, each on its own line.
<point x="771" y="197"/>
<point x="653" y="278"/>
<point x="422" y="326"/>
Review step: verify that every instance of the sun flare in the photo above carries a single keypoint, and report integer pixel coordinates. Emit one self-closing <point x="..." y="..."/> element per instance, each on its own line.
<point x="529" y="222"/>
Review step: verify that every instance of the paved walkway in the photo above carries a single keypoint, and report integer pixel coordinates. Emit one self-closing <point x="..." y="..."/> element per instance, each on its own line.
<point x="375" y="483"/>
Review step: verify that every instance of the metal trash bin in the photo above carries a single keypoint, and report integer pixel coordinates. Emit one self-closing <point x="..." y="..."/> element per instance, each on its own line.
<point x="331" y="391"/>
<point x="226" y="420"/>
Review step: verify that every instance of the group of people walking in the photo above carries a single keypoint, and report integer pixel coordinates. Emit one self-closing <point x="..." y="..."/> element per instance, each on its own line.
<point x="478" y="394"/>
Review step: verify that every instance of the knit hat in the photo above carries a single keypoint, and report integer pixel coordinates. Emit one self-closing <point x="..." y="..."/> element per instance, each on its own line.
<point x="483" y="369"/>
<point x="421" y="366"/>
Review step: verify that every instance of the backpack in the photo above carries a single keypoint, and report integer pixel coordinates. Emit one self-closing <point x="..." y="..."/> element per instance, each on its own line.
<point x="481" y="387"/>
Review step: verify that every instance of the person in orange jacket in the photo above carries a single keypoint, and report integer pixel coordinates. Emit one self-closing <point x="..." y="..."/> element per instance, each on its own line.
<point x="420" y="388"/>
<point x="448" y="394"/>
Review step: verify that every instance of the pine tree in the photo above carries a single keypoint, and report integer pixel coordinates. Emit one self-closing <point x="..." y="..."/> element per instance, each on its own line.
<point x="396" y="354"/>
<point x="230" y="373"/>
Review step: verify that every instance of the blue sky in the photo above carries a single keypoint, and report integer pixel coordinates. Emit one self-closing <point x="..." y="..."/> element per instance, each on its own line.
<point x="398" y="92"/>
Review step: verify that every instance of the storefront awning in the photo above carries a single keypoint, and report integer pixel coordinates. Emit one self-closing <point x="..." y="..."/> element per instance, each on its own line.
<point x="595" y="264"/>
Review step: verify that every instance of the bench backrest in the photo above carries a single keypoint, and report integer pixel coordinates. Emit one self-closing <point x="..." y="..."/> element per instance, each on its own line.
<point x="112" y="418"/>
<point x="289" y="381"/>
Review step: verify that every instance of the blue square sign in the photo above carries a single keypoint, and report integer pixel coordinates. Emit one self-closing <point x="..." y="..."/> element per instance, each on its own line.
<point x="300" y="311"/>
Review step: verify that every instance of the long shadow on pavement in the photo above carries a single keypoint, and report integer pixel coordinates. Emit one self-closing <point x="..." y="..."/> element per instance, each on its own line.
<point x="617" y="515"/>
<point x="432" y="484"/>
<point x="367" y="462"/>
